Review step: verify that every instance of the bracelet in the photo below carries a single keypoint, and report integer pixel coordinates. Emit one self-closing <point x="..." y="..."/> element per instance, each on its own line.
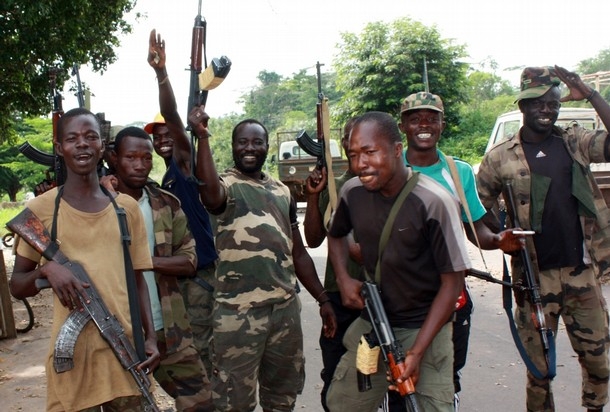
<point x="323" y="302"/>
<point x="164" y="80"/>
<point x="593" y="91"/>
<point x="321" y="293"/>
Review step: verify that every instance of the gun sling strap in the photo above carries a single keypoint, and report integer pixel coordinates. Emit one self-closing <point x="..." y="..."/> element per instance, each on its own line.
<point x="529" y="364"/>
<point x="507" y="303"/>
<point x="134" y="306"/>
<point x="387" y="228"/>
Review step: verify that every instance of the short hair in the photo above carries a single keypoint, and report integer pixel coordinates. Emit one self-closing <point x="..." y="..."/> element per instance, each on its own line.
<point x="385" y="122"/>
<point x="249" y="121"/>
<point x="78" y="111"/>
<point x="129" y="131"/>
<point x="349" y="125"/>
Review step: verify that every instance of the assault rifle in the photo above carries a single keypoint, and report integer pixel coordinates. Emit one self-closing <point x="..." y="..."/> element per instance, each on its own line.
<point x="321" y="148"/>
<point x="486" y="276"/>
<point x="309" y="146"/>
<point x="531" y="286"/>
<point x="391" y="348"/>
<point x="29" y="227"/>
<point x="212" y="76"/>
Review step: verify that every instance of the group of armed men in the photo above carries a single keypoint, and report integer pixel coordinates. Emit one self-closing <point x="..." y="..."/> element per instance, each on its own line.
<point x="217" y="258"/>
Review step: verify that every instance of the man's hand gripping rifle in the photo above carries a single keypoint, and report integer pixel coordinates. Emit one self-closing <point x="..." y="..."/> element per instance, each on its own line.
<point x="391" y="348"/>
<point x="27" y="225"/>
<point x="531" y="286"/>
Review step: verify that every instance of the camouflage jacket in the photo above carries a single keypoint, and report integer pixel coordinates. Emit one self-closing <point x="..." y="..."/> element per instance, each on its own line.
<point x="506" y="162"/>
<point x="172" y="238"/>
<point x="254" y="243"/>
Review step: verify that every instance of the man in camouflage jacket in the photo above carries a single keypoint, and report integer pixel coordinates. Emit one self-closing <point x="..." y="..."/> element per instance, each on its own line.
<point x="181" y="372"/>
<point x="556" y="196"/>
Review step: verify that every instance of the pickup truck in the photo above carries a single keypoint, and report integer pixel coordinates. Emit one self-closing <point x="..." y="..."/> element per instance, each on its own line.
<point x="294" y="165"/>
<point x="509" y="123"/>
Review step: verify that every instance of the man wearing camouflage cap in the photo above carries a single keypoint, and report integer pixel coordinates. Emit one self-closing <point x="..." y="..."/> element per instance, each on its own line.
<point x="422" y="121"/>
<point x="557" y="198"/>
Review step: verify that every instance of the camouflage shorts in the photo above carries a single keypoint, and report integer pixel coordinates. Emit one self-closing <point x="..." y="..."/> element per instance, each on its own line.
<point x="574" y="294"/>
<point x="260" y="345"/>
<point x="199" y="304"/>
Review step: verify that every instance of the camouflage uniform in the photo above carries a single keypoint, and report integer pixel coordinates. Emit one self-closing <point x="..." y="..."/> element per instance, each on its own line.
<point x="572" y="293"/>
<point x="257" y="336"/>
<point x="181" y="373"/>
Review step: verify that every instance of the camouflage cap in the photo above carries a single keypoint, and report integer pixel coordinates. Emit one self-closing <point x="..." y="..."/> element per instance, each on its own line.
<point x="422" y="100"/>
<point x="536" y="81"/>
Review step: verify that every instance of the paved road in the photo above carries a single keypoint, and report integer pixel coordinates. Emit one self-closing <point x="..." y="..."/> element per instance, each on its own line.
<point x="494" y="376"/>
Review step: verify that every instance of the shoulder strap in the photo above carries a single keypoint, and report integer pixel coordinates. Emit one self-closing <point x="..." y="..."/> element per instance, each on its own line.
<point x="130" y="277"/>
<point x="387" y="228"/>
<point x="462" y="196"/>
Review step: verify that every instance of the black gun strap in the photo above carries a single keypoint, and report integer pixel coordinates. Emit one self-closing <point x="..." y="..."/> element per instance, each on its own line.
<point x="508" y="307"/>
<point x="132" y="292"/>
<point x="387" y="228"/>
<point x="132" y="287"/>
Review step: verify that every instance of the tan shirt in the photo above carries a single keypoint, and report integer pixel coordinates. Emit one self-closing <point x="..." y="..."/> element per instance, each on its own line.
<point x="92" y="239"/>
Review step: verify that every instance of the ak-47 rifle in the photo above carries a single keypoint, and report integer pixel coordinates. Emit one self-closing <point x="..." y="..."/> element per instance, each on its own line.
<point x="321" y="148"/>
<point x="531" y="286"/>
<point x="305" y="142"/>
<point x="391" y="348"/>
<point x="29" y="227"/>
<point x="212" y="76"/>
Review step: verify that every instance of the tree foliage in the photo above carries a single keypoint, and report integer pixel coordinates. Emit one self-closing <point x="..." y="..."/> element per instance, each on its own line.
<point x="288" y="103"/>
<point x="379" y="67"/>
<point x="38" y="35"/>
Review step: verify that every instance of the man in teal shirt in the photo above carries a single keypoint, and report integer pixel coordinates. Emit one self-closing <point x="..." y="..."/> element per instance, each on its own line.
<point x="422" y="121"/>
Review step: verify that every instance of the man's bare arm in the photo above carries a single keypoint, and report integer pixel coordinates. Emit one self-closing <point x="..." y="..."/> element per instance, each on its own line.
<point x="182" y="152"/>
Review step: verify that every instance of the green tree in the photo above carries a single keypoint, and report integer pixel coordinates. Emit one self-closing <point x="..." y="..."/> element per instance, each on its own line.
<point x="599" y="63"/>
<point x="288" y="103"/>
<point x="38" y="35"/>
<point x="379" y="67"/>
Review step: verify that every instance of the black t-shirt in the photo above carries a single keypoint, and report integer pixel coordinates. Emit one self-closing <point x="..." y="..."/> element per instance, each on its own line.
<point x="560" y="244"/>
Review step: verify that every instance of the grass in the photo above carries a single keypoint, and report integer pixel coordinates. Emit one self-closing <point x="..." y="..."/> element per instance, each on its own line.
<point x="7" y="212"/>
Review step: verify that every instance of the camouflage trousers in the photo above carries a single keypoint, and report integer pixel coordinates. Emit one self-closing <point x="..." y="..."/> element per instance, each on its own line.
<point x="183" y="377"/>
<point x="261" y="345"/>
<point x="575" y="295"/>
<point x="199" y="303"/>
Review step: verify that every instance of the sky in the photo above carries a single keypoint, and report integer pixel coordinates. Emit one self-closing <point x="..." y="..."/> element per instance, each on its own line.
<point x="285" y="36"/>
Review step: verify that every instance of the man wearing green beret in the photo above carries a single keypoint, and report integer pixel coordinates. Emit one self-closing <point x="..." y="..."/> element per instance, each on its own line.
<point x="557" y="197"/>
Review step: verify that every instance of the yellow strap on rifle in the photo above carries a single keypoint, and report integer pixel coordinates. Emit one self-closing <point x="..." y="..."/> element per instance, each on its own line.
<point x="331" y="185"/>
